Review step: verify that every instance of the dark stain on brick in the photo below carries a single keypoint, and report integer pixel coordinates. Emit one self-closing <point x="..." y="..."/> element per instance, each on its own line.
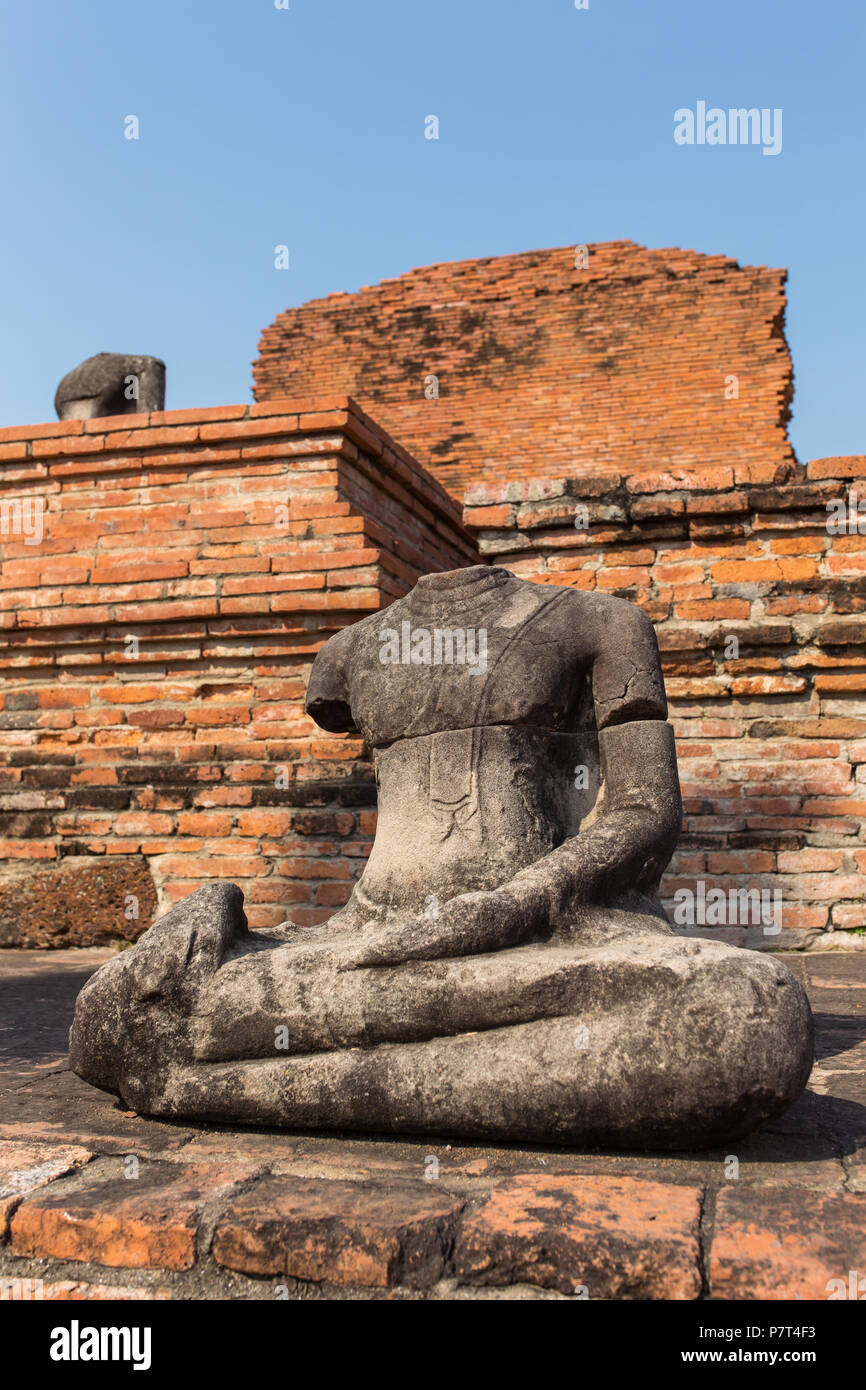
<point x="75" y="903"/>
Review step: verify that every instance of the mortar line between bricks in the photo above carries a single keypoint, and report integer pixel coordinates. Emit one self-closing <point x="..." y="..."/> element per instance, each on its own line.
<point x="213" y="1210"/>
<point x="202" y="1281"/>
<point x="35" y="1080"/>
<point x="706" y="1233"/>
<point x="470" y="1205"/>
<point x="846" y="1163"/>
<point x="53" y="1269"/>
<point x="182" y="1147"/>
<point x="835" y="1144"/>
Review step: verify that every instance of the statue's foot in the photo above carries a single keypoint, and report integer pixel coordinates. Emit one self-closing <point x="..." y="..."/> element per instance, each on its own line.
<point x="131" y="1025"/>
<point x="161" y="1005"/>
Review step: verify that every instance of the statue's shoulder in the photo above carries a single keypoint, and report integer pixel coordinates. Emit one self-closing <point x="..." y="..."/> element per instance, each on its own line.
<point x="610" y="617"/>
<point x="328" y="698"/>
<point x="616" y="642"/>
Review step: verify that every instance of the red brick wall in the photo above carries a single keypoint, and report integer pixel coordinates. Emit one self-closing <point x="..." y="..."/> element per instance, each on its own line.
<point x="772" y="734"/>
<point x="551" y="369"/>
<point x="229" y="544"/>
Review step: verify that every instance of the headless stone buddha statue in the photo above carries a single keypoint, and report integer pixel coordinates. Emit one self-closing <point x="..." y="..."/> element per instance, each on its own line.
<point x="504" y="968"/>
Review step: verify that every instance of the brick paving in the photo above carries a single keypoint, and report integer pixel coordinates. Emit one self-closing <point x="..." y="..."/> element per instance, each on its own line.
<point x="98" y="1203"/>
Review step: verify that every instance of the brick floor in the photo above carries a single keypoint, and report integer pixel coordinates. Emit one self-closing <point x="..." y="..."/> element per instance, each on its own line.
<point x="97" y="1203"/>
<point x="601" y="1237"/>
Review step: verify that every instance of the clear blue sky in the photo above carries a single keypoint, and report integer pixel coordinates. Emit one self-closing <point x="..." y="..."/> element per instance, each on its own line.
<point x="305" y="127"/>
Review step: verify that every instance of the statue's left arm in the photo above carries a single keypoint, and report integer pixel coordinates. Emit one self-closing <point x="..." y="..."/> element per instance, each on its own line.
<point x="628" y="840"/>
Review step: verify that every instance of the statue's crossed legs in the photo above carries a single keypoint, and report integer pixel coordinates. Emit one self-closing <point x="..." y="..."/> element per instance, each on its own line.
<point x="616" y="1044"/>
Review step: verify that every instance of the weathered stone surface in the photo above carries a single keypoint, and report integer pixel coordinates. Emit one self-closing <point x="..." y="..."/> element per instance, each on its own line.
<point x="786" y="1243"/>
<point x="504" y="969"/>
<point x="79" y="902"/>
<point x="111" y="384"/>
<point x="339" y="1232"/>
<point x="597" y="1237"/>
<point x="149" y="1221"/>
<point x="24" y="1167"/>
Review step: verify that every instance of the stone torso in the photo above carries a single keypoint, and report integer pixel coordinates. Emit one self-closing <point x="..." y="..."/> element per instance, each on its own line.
<point x="484" y="764"/>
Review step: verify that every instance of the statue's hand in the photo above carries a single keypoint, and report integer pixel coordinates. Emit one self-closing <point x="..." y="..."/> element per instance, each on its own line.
<point x="471" y="924"/>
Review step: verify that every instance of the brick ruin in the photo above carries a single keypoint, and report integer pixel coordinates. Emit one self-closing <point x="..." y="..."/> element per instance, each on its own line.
<point x="155" y="640"/>
<point x="554" y="363"/>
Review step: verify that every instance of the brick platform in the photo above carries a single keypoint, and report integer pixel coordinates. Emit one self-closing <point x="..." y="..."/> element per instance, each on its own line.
<point x="98" y="1203"/>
